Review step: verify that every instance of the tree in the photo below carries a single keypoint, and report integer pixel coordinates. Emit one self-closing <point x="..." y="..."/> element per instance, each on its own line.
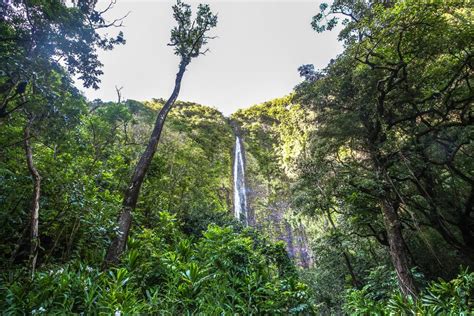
<point x="34" y="210"/>
<point x="42" y="44"/>
<point x="188" y="39"/>
<point x="39" y="39"/>
<point x="400" y="91"/>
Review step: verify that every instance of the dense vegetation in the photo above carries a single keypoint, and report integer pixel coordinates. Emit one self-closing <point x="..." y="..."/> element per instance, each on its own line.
<point x="391" y="156"/>
<point x="174" y="261"/>
<point x="374" y="155"/>
<point x="275" y="133"/>
<point x="360" y="182"/>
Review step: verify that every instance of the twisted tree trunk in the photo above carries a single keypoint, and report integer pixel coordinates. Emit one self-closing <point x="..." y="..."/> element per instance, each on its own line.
<point x="131" y="195"/>
<point x="398" y="252"/>
<point x="34" y="210"/>
<point x="393" y="226"/>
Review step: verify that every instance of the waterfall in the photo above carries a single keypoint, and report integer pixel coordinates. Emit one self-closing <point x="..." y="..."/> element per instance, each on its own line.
<point x="240" y="194"/>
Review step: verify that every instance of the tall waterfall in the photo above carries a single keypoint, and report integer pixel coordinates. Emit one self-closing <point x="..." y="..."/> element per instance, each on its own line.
<point x="240" y="193"/>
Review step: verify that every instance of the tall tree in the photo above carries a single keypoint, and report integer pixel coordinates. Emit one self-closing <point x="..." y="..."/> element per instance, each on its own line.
<point x="43" y="44"/>
<point x="39" y="39"/>
<point x="34" y="210"/>
<point x="188" y="38"/>
<point x="403" y="83"/>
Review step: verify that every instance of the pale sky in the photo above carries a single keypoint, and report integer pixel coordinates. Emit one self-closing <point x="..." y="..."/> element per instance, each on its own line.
<point x="255" y="58"/>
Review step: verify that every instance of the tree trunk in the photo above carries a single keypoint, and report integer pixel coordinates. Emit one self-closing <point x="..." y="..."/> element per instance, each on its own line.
<point x="398" y="251"/>
<point x="393" y="226"/>
<point x="131" y="195"/>
<point x="34" y="211"/>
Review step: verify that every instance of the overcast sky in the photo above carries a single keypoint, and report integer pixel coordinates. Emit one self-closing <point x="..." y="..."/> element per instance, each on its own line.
<point x="255" y="58"/>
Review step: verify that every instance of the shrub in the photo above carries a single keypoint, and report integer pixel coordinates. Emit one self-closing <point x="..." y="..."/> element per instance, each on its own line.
<point x="440" y="297"/>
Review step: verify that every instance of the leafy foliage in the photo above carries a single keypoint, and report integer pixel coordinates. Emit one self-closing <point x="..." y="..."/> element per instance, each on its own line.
<point x="391" y="127"/>
<point x="174" y="262"/>
<point x="439" y="298"/>
<point x="275" y="134"/>
<point x="43" y="43"/>
<point x="189" y="37"/>
<point x="166" y="272"/>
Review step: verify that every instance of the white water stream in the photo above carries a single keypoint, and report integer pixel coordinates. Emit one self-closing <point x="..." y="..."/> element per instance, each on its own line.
<point x="240" y="194"/>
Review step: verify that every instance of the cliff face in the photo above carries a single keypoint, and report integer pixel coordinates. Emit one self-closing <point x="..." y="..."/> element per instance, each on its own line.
<point x="272" y="140"/>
